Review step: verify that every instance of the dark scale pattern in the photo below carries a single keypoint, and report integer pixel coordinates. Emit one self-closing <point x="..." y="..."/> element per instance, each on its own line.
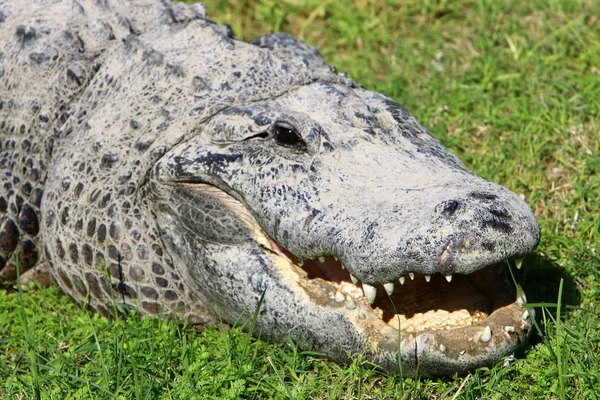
<point x="80" y="286"/>
<point x="78" y="134"/>
<point x="26" y="253"/>
<point x="152" y="307"/>
<point x="28" y="220"/>
<point x="64" y="277"/>
<point x="126" y="253"/>
<point x="149" y="292"/>
<point x="87" y="253"/>
<point x="93" y="285"/>
<point x="9" y="235"/>
<point x="170" y="295"/>
<point x="136" y="273"/>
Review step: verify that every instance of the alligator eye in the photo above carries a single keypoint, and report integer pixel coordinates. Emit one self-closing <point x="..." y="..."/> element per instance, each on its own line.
<point x="285" y="135"/>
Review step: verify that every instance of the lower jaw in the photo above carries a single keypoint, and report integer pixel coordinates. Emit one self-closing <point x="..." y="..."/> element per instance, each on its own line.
<point x="430" y="322"/>
<point x="455" y="351"/>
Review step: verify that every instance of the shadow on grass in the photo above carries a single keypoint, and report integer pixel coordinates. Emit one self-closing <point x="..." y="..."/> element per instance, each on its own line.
<point x="540" y="279"/>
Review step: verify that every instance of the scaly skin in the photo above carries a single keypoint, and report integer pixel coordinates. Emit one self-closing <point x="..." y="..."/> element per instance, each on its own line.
<point x="150" y="159"/>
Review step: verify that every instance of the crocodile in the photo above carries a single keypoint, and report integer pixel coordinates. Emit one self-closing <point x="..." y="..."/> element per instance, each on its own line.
<point x="151" y="161"/>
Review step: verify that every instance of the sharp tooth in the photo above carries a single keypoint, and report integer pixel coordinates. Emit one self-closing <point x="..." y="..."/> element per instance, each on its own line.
<point x="402" y="280"/>
<point x="300" y="263"/>
<point x="486" y="335"/>
<point x="339" y="297"/>
<point x="525" y="315"/>
<point x="509" y="328"/>
<point x="353" y="279"/>
<point x="518" y="262"/>
<point x="449" y="278"/>
<point x="370" y="292"/>
<point x="462" y="352"/>
<point x="342" y="266"/>
<point x="442" y="348"/>
<point x="321" y="260"/>
<point x="411" y="275"/>
<point x="389" y="288"/>
<point x="521" y="298"/>
<point x="350" y="304"/>
<point x="335" y="258"/>
<point x="427" y="278"/>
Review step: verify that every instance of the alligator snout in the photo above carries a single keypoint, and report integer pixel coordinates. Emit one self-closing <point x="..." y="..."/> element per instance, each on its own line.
<point x="486" y="210"/>
<point x="477" y="224"/>
<point x="447" y="208"/>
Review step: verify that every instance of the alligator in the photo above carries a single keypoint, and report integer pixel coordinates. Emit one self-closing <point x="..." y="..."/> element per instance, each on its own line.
<point x="151" y="161"/>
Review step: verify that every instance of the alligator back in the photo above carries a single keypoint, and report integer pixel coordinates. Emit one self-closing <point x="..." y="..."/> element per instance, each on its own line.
<point x="83" y="114"/>
<point x="92" y="94"/>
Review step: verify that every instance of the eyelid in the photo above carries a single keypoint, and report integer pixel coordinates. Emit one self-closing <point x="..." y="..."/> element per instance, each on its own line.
<point x="286" y="125"/>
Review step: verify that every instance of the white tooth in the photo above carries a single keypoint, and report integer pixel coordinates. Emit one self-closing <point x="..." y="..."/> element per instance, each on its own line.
<point x="402" y="280"/>
<point x="525" y="315"/>
<point x="449" y="278"/>
<point x="486" y="335"/>
<point x="521" y="298"/>
<point x="321" y="260"/>
<point x="462" y="352"/>
<point x="427" y="278"/>
<point x="442" y="348"/>
<point x="342" y="266"/>
<point x="518" y="262"/>
<point x="353" y="279"/>
<point x="370" y="292"/>
<point x="335" y="258"/>
<point x="339" y="297"/>
<point x="509" y="328"/>
<point x="350" y="304"/>
<point x="411" y="275"/>
<point x="509" y="360"/>
<point x="389" y="288"/>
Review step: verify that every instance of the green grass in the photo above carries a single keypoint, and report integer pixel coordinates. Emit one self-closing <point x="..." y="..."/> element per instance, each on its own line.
<point x="512" y="87"/>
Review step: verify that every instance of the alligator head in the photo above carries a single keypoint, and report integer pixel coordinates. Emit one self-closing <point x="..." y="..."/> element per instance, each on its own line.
<point x="344" y="224"/>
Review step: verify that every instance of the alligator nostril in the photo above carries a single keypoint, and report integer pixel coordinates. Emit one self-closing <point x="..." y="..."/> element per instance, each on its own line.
<point x="483" y="196"/>
<point x="449" y="208"/>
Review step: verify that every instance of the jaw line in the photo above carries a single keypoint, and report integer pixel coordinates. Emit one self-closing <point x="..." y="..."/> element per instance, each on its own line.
<point x="447" y="350"/>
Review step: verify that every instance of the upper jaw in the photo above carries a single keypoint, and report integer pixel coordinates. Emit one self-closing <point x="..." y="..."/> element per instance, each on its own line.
<point x="422" y="248"/>
<point x="384" y="227"/>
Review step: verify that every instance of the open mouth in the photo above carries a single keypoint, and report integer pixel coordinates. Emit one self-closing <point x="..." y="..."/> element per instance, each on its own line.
<point x="454" y="323"/>
<point x="472" y="315"/>
<point x="418" y="302"/>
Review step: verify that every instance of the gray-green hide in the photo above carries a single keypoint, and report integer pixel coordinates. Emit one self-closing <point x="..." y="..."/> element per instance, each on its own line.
<point x="149" y="158"/>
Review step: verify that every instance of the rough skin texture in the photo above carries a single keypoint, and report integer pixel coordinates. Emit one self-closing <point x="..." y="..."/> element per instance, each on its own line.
<point x="150" y="159"/>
